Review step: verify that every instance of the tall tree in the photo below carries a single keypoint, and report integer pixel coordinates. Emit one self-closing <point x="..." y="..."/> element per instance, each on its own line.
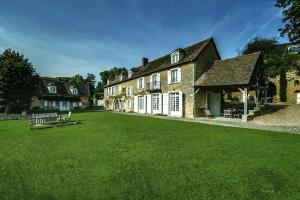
<point x="275" y="56"/>
<point x="18" y="80"/>
<point x="291" y="19"/>
<point x="90" y="80"/>
<point x="77" y="79"/>
<point x="112" y="74"/>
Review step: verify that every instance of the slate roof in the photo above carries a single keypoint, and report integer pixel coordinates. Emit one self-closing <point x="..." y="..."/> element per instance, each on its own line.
<point x="63" y="88"/>
<point x="232" y="71"/>
<point x="190" y="54"/>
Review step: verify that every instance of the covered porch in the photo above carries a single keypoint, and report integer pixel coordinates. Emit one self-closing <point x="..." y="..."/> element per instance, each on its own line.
<point x="233" y="88"/>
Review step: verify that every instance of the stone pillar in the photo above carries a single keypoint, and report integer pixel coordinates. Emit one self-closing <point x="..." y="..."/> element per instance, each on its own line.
<point x="245" y="115"/>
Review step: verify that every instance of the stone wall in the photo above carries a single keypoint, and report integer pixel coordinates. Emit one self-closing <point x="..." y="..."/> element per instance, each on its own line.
<point x="292" y="86"/>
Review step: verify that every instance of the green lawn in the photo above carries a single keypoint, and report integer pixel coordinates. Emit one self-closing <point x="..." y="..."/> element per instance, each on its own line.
<point x="114" y="156"/>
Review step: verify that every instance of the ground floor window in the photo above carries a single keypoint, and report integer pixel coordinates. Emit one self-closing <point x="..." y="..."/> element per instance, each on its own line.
<point x="129" y="103"/>
<point x="155" y="102"/>
<point x="75" y="104"/>
<point x="174" y="101"/>
<point x="298" y="98"/>
<point x="49" y="104"/>
<point x="141" y="102"/>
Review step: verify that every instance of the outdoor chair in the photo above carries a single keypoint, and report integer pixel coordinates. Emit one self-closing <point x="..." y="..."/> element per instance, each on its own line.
<point x="66" y="117"/>
<point x="227" y="113"/>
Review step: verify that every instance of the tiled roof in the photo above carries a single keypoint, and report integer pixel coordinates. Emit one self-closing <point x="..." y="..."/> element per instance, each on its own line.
<point x="63" y="88"/>
<point x="190" y="53"/>
<point x="233" y="71"/>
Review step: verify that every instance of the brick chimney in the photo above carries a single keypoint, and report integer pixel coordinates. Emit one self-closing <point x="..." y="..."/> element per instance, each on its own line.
<point x="144" y="61"/>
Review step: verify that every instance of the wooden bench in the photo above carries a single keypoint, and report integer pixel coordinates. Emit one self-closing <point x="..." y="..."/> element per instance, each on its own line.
<point x="44" y="119"/>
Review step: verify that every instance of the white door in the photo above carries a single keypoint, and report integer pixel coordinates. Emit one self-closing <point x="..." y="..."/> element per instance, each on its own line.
<point x="175" y="104"/>
<point x="298" y="98"/>
<point x="141" y="104"/>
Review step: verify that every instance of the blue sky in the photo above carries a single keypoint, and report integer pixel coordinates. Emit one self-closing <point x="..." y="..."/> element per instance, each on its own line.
<point x="63" y="38"/>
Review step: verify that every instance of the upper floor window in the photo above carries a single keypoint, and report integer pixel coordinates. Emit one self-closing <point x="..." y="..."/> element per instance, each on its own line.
<point x="52" y="89"/>
<point x="140" y="83"/>
<point x="296" y="83"/>
<point x="128" y="91"/>
<point x="112" y="90"/>
<point x="174" y="76"/>
<point x="174" y="57"/>
<point x="74" y="90"/>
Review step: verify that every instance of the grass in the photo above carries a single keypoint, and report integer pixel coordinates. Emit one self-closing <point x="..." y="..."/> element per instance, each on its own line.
<point x="114" y="156"/>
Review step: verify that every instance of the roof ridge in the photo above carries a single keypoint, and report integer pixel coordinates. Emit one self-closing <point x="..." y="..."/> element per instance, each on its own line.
<point x="239" y="56"/>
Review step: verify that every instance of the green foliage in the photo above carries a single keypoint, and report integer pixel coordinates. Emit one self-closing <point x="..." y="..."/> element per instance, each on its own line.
<point x="114" y="156"/>
<point x="90" y="80"/>
<point x="112" y="74"/>
<point x="283" y="85"/>
<point x="77" y="80"/>
<point x="275" y="56"/>
<point x="18" y="79"/>
<point x="291" y="19"/>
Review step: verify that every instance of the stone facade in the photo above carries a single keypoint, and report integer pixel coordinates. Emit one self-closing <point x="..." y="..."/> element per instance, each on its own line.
<point x="190" y="71"/>
<point x="292" y="89"/>
<point x="60" y="95"/>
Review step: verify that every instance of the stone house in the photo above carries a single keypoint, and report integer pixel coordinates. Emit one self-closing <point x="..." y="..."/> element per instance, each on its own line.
<point x="60" y="95"/>
<point x="184" y="83"/>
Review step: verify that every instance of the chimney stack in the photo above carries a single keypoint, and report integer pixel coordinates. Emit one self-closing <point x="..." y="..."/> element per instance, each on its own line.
<point x="144" y="61"/>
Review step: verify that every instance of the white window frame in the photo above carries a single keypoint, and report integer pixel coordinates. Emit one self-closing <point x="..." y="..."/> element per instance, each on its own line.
<point x="74" y="91"/>
<point x="141" y="103"/>
<point x="155" y="102"/>
<point x="175" y="80"/>
<point x="140" y="83"/>
<point x="128" y="91"/>
<point x="175" y="57"/>
<point x="113" y="91"/>
<point x="52" y="89"/>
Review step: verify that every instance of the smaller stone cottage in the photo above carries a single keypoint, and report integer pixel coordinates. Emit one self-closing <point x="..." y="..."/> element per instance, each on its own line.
<point x="60" y="95"/>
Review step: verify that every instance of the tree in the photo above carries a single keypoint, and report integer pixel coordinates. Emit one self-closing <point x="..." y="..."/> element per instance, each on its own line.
<point x="90" y="80"/>
<point x="18" y="80"/>
<point x="112" y="74"/>
<point x="291" y="19"/>
<point x="283" y="85"/>
<point x="77" y="80"/>
<point x="276" y="59"/>
<point x="275" y="56"/>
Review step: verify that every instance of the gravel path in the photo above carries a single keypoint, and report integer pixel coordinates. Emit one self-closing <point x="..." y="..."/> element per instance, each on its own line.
<point x="280" y="119"/>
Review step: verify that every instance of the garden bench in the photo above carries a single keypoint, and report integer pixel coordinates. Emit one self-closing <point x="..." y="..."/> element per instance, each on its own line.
<point x="44" y="119"/>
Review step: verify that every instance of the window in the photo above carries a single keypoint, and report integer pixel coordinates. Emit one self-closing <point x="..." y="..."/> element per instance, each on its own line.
<point x="140" y="83"/>
<point x="174" y="57"/>
<point x="112" y="90"/>
<point x="174" y="76"/>
<point x="128" y="103"/>
<point x="141" y="102"/>
<point x="49" y="104"/>
<point x="75" y="104"/>
<point x="296" y="83"/>
<point x="155" y="81"/>
<point x="74" y="90"/>
<point x="174" y="101"/>
<point x="155" y="102"/>
<point x="128" y="91"/>
<point x="52" y="89"/>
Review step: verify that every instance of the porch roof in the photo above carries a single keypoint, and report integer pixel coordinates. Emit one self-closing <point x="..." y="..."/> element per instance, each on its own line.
<point x="230" y="72"/>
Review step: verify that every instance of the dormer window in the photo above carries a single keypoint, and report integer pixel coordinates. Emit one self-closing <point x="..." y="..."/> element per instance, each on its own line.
<point x="174" y="57"/>
<point x="52" y="89"/>
<point x="74" y="90"/>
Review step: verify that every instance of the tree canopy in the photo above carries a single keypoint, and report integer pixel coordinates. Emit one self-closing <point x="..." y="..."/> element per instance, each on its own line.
<point x="112" y="74"/>
<point x="275" y="55"/>
<point x="291" y="19"/>
<point x="18" y="79"/>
